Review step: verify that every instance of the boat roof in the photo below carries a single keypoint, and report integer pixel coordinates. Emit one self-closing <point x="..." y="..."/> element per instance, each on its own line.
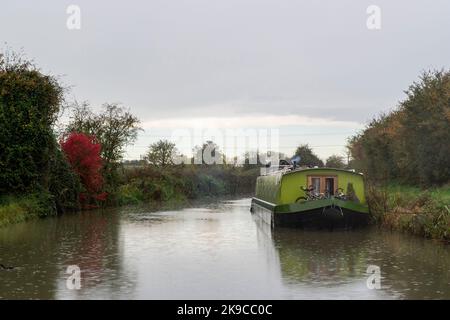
<point x="321" y="169"/>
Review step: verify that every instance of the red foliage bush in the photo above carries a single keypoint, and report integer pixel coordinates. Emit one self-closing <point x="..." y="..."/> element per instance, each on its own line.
<point x="83" y="153"/>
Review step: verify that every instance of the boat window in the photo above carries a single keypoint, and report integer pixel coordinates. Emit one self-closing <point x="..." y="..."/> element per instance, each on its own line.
<point x="316" y="184"/>
<point x="323" y="184"/>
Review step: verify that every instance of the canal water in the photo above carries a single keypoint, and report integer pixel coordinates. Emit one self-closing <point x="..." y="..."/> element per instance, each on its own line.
<point x="213" y="251"/>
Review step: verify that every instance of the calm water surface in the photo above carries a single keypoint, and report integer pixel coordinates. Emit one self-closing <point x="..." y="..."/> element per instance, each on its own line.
<point x="212" y="251"/>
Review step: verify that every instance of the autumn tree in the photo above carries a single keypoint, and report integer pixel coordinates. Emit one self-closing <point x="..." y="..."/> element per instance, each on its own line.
<point x="412" y="143"/>
<point x="426" y="127"/>
<point x="114" y="127"/>
<point x="83" y="153"/>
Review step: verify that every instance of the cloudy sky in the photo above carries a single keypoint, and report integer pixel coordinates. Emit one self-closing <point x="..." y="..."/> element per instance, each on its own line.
<point x="311" y="69"/>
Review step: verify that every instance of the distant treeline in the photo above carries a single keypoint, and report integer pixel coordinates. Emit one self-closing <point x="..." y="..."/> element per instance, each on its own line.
<point x="411" y="144"/>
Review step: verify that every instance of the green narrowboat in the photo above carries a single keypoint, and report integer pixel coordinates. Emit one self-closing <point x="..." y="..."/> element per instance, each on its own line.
<point x="311" y="198"/>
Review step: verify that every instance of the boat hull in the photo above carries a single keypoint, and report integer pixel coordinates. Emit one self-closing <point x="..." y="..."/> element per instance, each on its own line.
<point x="318" y="214"/>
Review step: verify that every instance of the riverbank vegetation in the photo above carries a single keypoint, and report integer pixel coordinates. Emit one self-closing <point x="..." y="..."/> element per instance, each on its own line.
<point x="423" y="212"/>
<point x="44" y="172"/>
<point x="33" y="171"/>
<point x="14" y="209"/>
<point x="144" y="184"/>
<point x="404" y="155"/>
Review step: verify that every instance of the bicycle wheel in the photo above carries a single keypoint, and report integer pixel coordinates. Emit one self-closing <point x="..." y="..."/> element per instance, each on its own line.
<point x="301" y="199"/>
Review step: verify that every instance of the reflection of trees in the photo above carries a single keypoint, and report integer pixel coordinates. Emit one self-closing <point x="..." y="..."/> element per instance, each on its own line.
<point x="417" y="268"/>
<point x="30" y="248"/>
<point x="94" y="246"/>
<point x="320" y="256"/>
<point x="411" y="267"/>
<point x="98" y="251"/>
<point x="42" y="250"/>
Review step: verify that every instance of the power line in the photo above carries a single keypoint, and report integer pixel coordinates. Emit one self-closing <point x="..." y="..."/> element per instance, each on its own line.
<point x="280" y="134"/>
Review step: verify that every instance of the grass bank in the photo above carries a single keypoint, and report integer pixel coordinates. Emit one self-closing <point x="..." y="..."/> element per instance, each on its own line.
<point x="412" y="209"/>
<point x="14" y="209"/>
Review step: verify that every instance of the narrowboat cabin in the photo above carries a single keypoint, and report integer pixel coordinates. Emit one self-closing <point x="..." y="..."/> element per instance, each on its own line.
<point x="311" y="198"/>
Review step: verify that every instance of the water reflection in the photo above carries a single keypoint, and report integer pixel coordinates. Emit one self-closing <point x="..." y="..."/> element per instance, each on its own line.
<point x="321" y="258"/>
<point x="41" y="251"/>
<point x="212" y="251"/>
<point x="317" y="265"/>
<point x="334" y="264"/>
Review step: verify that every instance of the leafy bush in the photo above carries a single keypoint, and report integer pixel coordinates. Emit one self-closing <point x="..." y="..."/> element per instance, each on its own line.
<point x="29" y="104"/>
<point x="129" y="194"/>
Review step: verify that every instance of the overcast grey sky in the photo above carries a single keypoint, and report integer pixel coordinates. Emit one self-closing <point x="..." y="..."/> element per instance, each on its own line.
<point x="279" y="63"/>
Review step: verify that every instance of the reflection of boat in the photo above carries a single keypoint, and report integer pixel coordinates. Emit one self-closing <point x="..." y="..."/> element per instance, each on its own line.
<point x="320" y="256"/>
<point x="333" y="198"/>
